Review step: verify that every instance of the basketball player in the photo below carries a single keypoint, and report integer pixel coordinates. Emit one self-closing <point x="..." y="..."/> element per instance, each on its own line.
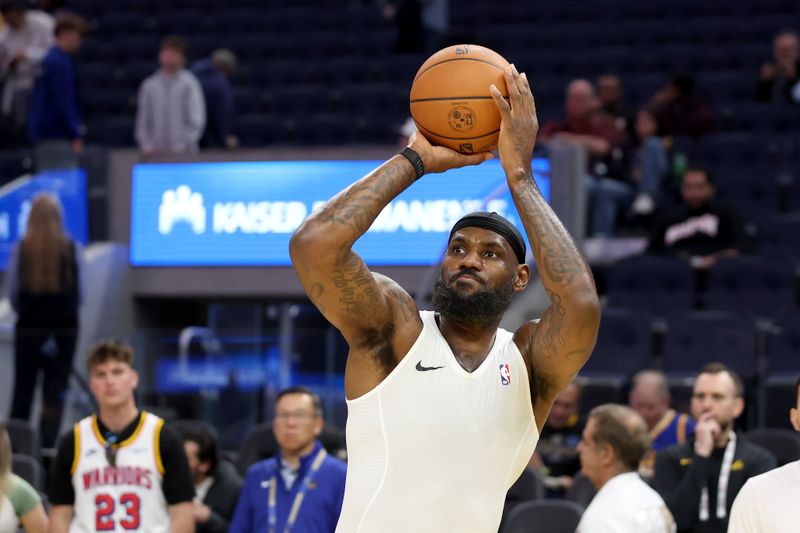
<point x="120" y="469"/>
<point x="445" y="408"/>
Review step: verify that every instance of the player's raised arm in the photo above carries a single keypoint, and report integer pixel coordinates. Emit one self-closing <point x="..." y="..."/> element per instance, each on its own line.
<point x="337" y="281"/>
<point x="561" y="343"/>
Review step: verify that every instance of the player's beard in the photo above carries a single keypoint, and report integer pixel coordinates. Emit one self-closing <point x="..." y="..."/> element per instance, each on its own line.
<point x="481" y="307"/>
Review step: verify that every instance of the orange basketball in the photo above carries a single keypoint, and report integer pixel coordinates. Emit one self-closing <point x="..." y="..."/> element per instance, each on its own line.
<point x="450" y="99"/>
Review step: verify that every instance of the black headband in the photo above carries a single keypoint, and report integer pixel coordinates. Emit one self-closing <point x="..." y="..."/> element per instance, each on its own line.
<point x="496" y="223"/>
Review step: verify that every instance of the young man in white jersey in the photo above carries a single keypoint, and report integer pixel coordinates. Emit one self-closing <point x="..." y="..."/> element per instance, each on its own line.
<point x="445" y="408"/>
<point x="768" y="502"/>
<point x="120" y="469"/>
<point x="614" y="441"/>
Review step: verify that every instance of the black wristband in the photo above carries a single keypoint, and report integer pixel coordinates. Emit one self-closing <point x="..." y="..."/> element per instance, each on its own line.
<point x="415" y="160"/>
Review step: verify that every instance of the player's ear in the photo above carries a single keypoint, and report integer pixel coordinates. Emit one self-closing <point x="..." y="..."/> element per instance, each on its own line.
<point x="794" y="417"/>
<point x="523" y="276"/>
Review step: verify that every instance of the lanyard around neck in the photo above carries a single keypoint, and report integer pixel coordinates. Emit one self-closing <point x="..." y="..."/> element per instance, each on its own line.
<point x="298" y="499"/>
<point x="722" y="484"/>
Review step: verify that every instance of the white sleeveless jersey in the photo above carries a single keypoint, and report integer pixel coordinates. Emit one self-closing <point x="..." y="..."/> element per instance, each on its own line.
<point x="127" y="497"/>
<point x="434" y="448"/>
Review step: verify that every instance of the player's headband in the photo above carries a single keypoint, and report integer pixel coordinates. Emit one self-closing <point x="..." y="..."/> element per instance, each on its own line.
<point x="496" y="223"/>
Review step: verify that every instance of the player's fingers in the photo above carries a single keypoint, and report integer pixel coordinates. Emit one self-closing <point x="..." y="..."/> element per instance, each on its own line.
<point x="474" y="159"/>
<point x="511" y="83"/>
<point x="502" y="105"/>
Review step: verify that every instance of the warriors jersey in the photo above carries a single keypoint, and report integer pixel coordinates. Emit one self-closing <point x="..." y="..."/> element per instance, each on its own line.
<point x="123" y="492"/>
<point x="434" y="448"/>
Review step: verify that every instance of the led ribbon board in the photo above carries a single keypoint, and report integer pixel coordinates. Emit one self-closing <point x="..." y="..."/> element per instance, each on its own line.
<point x="244" y="213"/>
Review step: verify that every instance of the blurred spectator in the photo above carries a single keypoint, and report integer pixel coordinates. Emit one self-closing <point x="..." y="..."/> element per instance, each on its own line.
<point x="768" y="502"/>
<point x="436" y="22"/>
<point x="283" y="482"/>
<point x="54" y="125"/>
<point x="214" y="76"/>
<point x="634" y="178"/>
<point x="20" y="504"/>
<point x="407" y="17"/>
<point x="700" y="230"/>
<point x="120" y="468"/>
<point x="24" y="41"/>
<point x="556" y="456"/>
<point x="679" y="110"/>
<point x="609" y="92"/>
<point x="216" y="483"/>
<point x="587" y="125"/>
<point x="780" y="79"/>
<point x="613" y="443"/>
<point x="171" y="113"/>
<point x="650" y="397"/>
<point x="700" y="479"/>
<point x="43" y="283"/>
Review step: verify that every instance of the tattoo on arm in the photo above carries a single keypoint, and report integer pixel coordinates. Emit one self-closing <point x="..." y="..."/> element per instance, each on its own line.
<point x="357" y="206"/>
<point x="549" y="337"/>
<point x="552" y="245"/>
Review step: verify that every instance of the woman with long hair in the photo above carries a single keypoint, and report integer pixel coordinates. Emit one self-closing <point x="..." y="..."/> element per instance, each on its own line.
<point x="19" y="502"/>
<point x="43" y="287"/>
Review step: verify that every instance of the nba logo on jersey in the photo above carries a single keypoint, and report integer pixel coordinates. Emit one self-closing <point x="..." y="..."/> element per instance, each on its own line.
<point x="505" y="374"/>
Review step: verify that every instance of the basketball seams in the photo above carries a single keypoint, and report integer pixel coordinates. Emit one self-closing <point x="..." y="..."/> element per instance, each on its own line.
<point x="458" y="138"/>
<point x="501" y="69"/>
<point x="418" y="100"/>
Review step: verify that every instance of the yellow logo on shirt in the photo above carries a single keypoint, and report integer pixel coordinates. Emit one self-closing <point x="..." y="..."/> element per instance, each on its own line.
<point x="686" y="461"/>
<point x="737" y="465"/>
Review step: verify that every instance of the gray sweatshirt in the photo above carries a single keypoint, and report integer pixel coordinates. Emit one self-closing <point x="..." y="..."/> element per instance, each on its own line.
<point x="171" y="114"/>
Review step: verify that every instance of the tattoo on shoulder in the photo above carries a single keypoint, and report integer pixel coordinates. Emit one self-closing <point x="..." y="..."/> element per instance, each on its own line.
<point x="356" y="291"/>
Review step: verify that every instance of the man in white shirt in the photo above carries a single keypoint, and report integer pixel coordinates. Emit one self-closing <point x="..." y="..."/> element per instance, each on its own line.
<point x="768" y="502"/>
<point x="24" y="41"/>
<point x="614" y="441"/>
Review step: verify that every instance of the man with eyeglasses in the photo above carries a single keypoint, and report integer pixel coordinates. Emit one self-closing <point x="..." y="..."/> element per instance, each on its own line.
<point x="120" y="469"/>
<point x="300" y="489"/>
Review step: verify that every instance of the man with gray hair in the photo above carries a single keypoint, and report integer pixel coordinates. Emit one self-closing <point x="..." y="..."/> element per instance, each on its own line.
<point x="650" y="397"/>
<point x="614" y="441"/>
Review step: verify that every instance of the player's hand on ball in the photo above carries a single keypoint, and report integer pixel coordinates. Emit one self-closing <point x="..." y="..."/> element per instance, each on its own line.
<point x="440" y="158"/>
<point x="519" y="125"/>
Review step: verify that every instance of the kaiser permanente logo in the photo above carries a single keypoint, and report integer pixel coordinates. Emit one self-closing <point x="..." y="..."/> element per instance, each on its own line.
<point x="183" y="206"/>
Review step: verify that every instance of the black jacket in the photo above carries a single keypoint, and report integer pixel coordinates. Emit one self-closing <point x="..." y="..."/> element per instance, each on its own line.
<point x="680" y="476"/>
<point x="222" y="498"/>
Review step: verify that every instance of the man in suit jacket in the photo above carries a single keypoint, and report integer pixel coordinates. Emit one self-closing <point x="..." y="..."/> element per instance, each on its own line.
<point x="216" y="484"/>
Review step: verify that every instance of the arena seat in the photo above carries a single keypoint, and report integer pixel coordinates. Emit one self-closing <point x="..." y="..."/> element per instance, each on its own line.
<point x="784" y="444"/>
<point x="24" y="437"/>
<point x="28" y="469"/>
<point x="546" y="516"/>
<point x="704" y="336"/>
<point x="529" y="487"/>
<point x="751" y="284"/>
<point x="659" y="285"/>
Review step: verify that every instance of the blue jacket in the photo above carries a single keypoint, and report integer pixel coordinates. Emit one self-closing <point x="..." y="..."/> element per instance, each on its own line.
<point x="54" y="112"/>
<point x="219" y="99"/>
<point x="321" y="505"/>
